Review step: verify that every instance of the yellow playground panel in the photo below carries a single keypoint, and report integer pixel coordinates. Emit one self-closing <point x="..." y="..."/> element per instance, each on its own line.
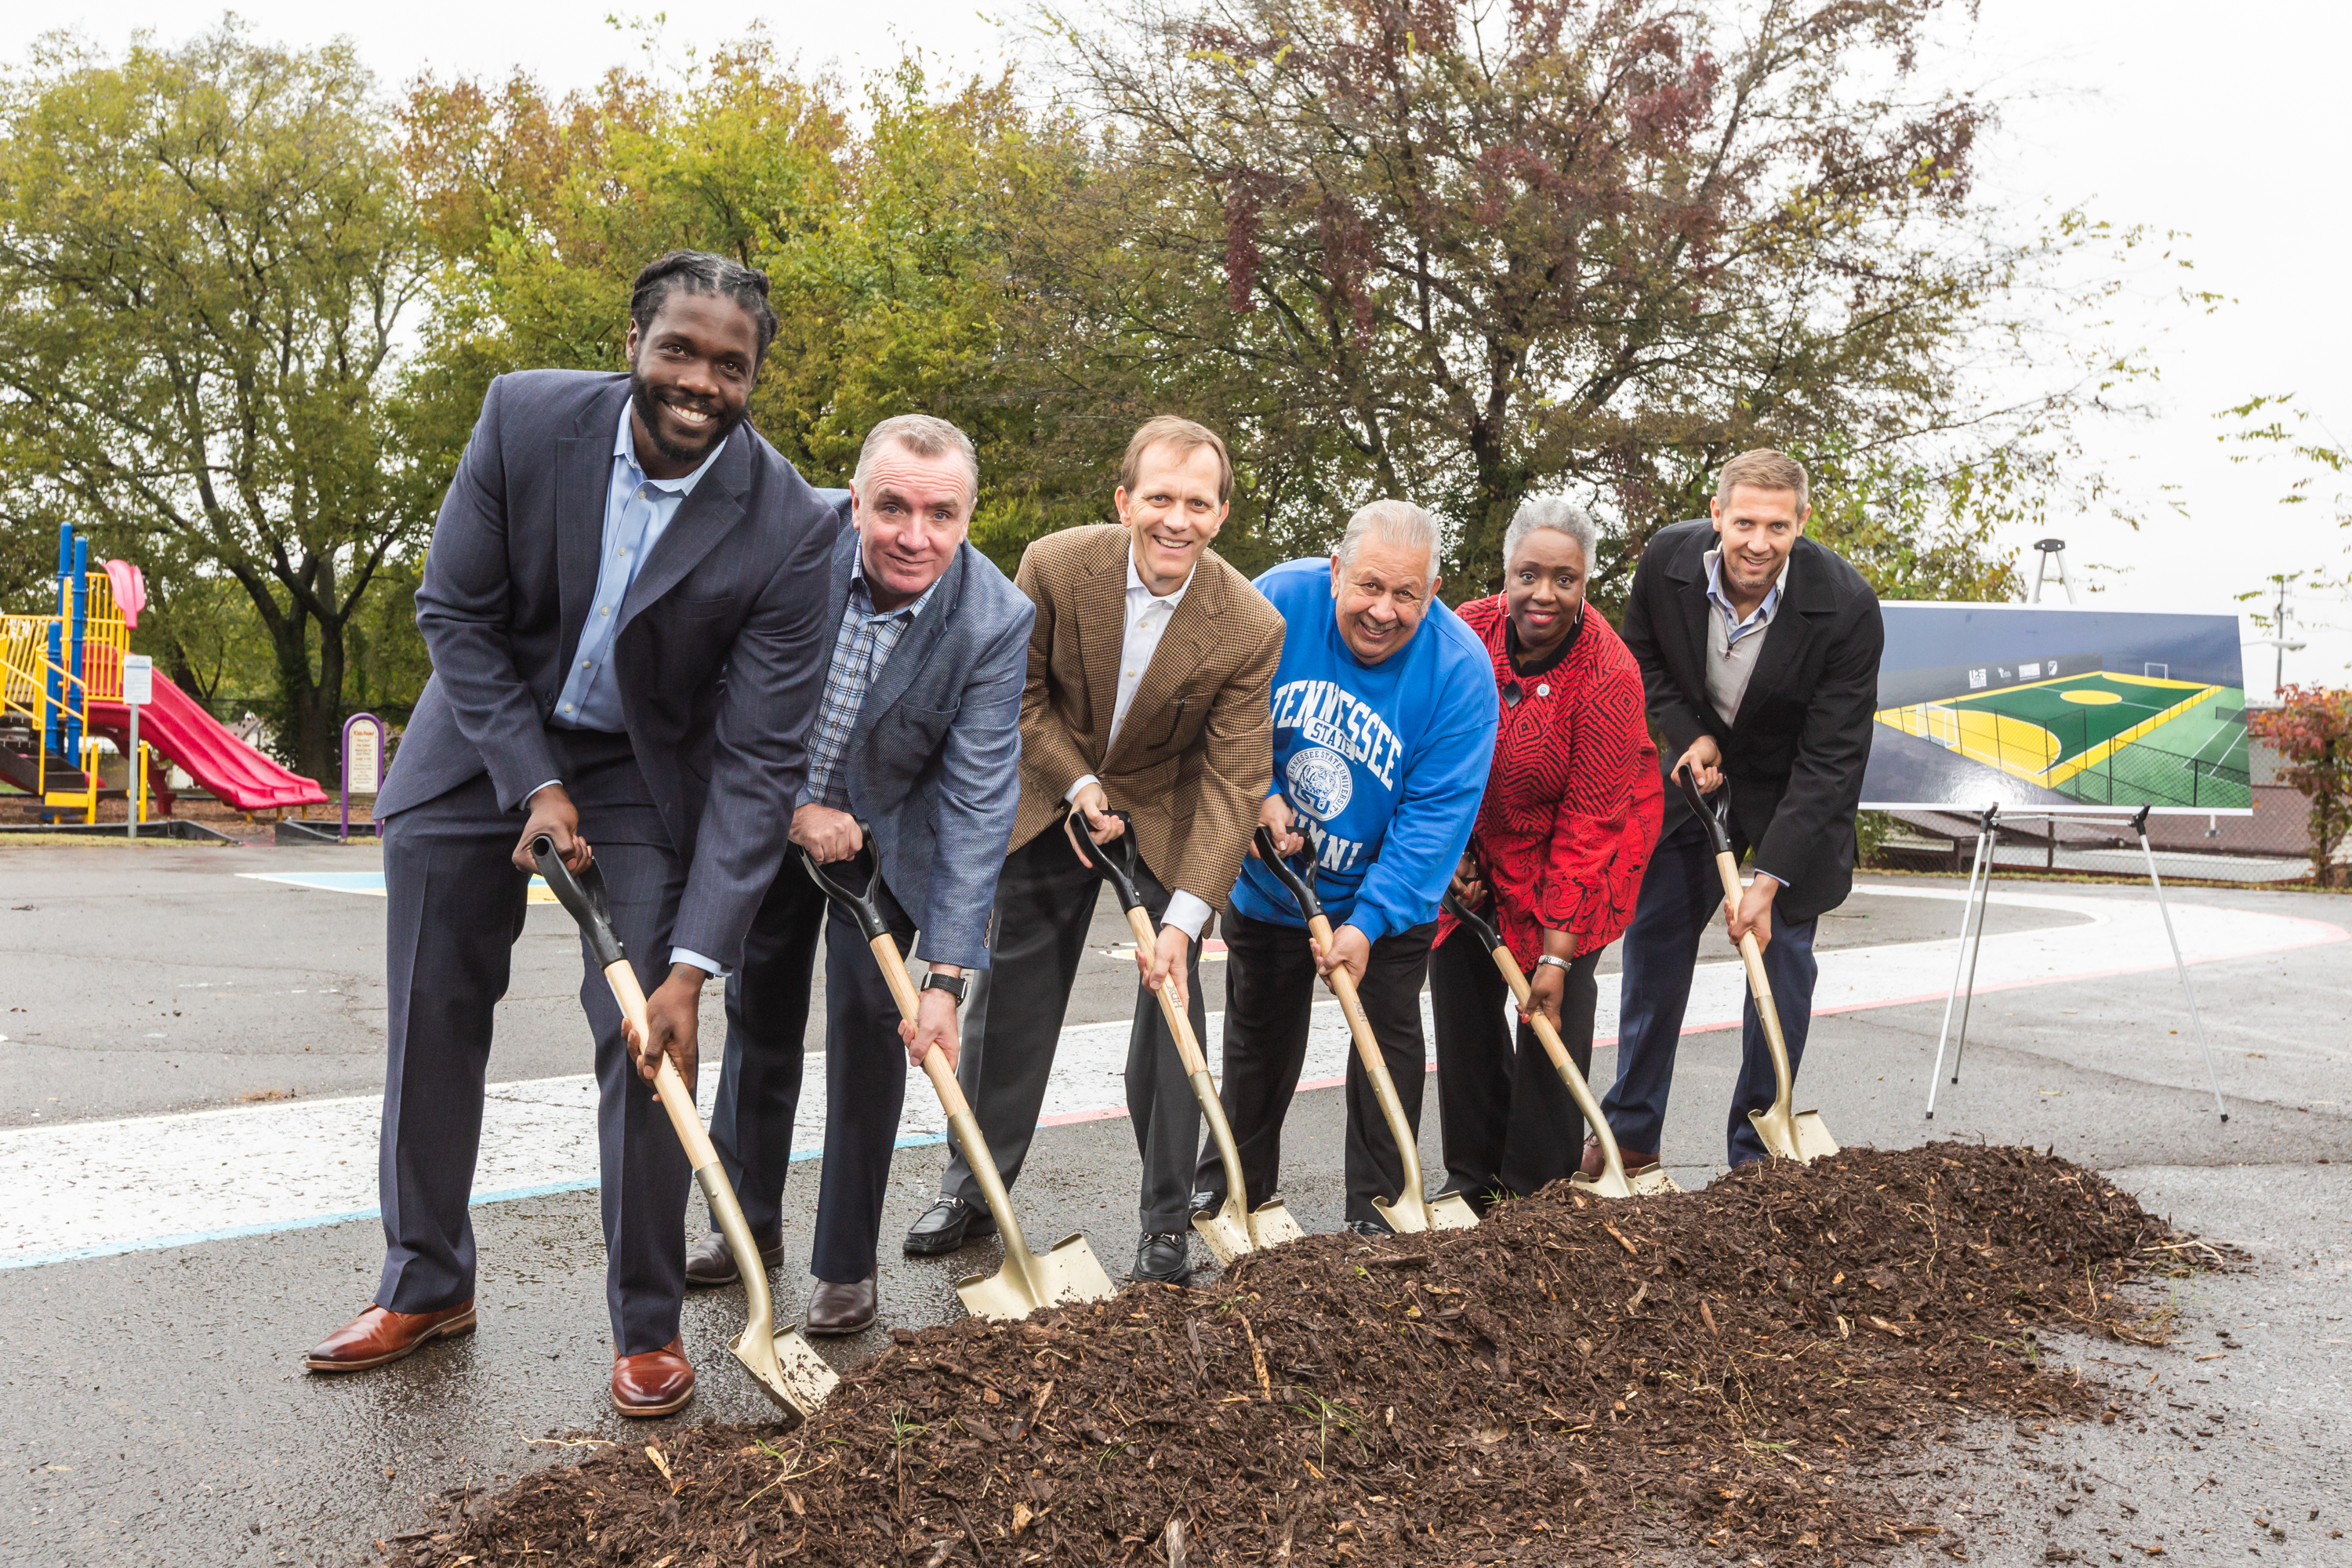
<point x="2046" y="731"/>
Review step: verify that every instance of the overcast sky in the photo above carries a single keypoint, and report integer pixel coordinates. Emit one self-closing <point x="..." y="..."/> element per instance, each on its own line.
<point x="2212" y="120"/>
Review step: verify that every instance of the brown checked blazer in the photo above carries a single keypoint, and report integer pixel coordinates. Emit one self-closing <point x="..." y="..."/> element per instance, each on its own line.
<point x="1196" y="753"/>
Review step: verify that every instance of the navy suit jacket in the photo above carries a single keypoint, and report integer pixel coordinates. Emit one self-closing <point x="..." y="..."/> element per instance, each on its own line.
<point x="720" y="658"/>
<point x="934" y="765"/>
<point x="1793" y="762"/>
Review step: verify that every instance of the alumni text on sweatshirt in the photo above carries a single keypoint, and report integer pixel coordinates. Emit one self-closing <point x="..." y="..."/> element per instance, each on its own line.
<point x="1383" y="762"/>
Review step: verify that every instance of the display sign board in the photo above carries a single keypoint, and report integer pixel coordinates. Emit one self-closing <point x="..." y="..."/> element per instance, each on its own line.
<point x="2045" y="708"/>
<point x="138" y="679"/>
<point x="363" y="754"/>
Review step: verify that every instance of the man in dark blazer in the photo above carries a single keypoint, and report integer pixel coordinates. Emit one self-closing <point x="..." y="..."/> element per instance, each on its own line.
<point x="1760" y="652"/>
<point x="919" y="736"/>
<point x="623" y="606"/>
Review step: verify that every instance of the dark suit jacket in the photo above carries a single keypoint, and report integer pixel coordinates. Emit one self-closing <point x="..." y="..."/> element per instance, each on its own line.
<point x="721" y="656"/>
<point x="1793" y="761"/>
<point x="934" y="761"/>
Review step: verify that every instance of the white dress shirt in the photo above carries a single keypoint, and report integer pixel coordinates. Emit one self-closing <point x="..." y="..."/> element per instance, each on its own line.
<point x="1148" y="615"/>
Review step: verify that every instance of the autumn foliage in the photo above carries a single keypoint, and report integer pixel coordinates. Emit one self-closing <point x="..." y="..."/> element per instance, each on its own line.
<point x="2311" y="728"/>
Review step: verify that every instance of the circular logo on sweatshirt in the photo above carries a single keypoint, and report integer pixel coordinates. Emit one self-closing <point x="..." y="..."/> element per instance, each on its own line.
<point x="1320" y="782"/>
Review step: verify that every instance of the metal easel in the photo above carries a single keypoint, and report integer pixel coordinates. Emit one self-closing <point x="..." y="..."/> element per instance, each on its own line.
<point x="1979" y="895"/>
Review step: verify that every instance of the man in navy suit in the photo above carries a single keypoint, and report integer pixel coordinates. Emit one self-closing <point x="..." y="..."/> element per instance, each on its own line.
<point x="624" y="606"/>
<point x="918" y="737"/>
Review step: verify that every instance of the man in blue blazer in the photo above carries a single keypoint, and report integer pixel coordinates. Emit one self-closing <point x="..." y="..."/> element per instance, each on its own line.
<point x="918" y="735"/>
<point x="624" y="608"/>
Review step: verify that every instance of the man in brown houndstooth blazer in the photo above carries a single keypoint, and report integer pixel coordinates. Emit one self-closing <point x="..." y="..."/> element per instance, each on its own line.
<point x="1147" y="675"/>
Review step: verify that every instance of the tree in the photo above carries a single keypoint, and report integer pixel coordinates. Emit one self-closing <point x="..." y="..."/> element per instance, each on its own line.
<point x="204" y="260"/>
<point x="2312" y="729"/>
<point x="1463" y="252"/>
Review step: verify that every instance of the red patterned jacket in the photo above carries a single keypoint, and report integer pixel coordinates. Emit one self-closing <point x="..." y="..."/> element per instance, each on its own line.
<point x="1573" y="804"/>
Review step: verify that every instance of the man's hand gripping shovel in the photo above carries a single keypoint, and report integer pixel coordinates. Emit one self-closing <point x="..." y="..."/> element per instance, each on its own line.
<point x="1790" y="1135"/>
<point x="1027" y="1281"/>
<point x="786" y="1367"/>
<point x="1411" y="1211"/>
<point x="1233" y="1228"/>
<point x="1613" y="1183"/>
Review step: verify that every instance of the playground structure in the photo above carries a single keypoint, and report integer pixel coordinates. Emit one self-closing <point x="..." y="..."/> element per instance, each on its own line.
<point x="61" y="691"/>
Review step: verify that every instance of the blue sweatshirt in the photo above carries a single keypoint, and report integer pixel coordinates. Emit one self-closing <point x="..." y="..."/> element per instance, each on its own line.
<point x="1383" y="762"/>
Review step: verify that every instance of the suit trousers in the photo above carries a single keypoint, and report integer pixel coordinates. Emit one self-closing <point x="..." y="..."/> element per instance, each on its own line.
<point x="1682" y="899"/>
<point x="1045" y="908"/>
<point x="864" y="1069"/>
<point x="1508" y="1121"/>
<point x="1270" y="992"/>
<point x="455" y="905"/>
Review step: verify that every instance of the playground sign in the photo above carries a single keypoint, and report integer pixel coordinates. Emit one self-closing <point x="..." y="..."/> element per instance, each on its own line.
<point x="362" y="762"/>
<point x="2058" y="711"/>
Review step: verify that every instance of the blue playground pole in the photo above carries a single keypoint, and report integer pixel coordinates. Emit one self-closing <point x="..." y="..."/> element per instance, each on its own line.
<point x="78" y="696"/>
<point x="53" y="680"/>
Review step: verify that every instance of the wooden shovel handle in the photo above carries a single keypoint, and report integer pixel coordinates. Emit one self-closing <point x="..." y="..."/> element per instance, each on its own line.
<point x="1752" y="956"/>
<point x="671" y="1089"/>
<point x="1188" y="1047"/>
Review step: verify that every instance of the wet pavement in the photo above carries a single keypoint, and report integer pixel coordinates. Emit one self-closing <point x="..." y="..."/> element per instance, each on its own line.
<point x="158" y="1411"/>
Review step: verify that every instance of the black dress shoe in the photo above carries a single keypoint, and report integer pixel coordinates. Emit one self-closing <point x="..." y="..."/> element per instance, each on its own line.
<point x="1371" y="1227"/>
<point x="1207" y="1203"/>
<point x="945" y="1225"/>
<point x="842" y="1309"/>
<point x="1480" y="1197"/>
<point x="1163" y="1258"/>
<point x="710" y="1262"/>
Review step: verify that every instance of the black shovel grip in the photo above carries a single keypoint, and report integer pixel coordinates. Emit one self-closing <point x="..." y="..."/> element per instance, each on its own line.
<point x="1117" y="862"/>
<point x="1301" y="887"/>
<point x="864" y="903"/>
<point x="1461" y="911"/>
<point x="1710" y="814"/>
<point x="585" y="896"/>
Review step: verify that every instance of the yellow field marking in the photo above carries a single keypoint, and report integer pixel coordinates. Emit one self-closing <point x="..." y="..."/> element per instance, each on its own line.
<point x="2089" y="698"/>
<point x="2114" y="743"/>
<point x="2027" y="751"/>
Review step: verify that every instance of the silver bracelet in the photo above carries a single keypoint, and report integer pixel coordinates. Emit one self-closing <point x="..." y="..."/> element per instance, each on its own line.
<point x="1555" y="959"/>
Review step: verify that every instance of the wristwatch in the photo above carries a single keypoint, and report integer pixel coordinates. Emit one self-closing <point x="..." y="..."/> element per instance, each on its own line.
<point x="955" y="985"/>
<point x="1555" y="959"/>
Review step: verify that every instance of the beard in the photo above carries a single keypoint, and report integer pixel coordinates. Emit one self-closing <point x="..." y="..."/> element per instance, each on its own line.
<point x="646" y="399"/>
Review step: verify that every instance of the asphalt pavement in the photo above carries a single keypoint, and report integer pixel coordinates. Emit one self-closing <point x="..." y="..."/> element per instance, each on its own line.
<point x="158" y="1411"/>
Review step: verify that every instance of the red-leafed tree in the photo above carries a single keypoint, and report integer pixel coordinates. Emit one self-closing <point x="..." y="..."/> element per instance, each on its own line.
<point x="2311" y="728"/>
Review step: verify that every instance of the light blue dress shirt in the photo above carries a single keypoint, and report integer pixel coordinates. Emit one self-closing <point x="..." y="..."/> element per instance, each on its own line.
<point x="637" y="509"/>
<point x="1736" y="626"/>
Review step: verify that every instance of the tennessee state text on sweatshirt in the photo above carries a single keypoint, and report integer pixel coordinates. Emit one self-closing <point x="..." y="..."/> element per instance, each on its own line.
<point x="1383" y="762"/>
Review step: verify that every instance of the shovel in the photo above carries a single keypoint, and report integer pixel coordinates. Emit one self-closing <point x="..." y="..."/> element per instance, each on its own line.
<point x="1233" y="1228"/>
<point x="1792" y="1135"/>
<point x="784" y="1366"/>
<point x="1027" y="1282"/>
<point x="1613" y="1183"/>
<point x="1412" y="1211"/>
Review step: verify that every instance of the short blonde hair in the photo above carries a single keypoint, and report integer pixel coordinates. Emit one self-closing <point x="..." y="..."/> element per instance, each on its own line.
<point x="1187" y="437"/>
<point x="1764" y="469"/>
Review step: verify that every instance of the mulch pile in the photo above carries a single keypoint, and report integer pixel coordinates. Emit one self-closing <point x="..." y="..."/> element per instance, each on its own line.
<point x="1735" y="1369"/>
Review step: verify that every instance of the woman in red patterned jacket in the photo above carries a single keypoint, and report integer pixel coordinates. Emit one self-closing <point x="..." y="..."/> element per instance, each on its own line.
<point x="1570" y="814"/>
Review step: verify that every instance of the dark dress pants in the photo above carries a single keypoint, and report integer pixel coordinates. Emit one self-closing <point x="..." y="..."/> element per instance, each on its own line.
<point x="1271" y="989"/>
<point x="1045" y="908"/>
<point x="864" y="1069"/>
<point x="454" y="906"/>
<point x="1508" y="1121"/>
<point x="1681" y="900"/>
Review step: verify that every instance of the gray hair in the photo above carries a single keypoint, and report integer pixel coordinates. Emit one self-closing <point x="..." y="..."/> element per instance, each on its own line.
<point x="1557" y="513"/>
<point x="926" y="435"/>
<point x="1397" y="524"/>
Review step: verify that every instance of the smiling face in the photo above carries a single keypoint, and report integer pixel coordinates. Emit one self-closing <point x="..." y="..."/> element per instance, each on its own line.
<point x="690" y="374"/>
<point x="1172" y="512"/>
<point x="1382" y="596"/>
<point x="1543" y="588"/>
<point x="1757" y="528"/>
<point x="912" y="512"/>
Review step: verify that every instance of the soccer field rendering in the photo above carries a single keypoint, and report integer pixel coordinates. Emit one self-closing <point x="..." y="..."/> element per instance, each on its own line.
<point x="2101" y="736"/>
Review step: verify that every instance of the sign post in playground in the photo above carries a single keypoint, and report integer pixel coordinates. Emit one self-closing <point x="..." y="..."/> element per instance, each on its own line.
<point x="363" y="762"/>
<point x="138" y="690"/>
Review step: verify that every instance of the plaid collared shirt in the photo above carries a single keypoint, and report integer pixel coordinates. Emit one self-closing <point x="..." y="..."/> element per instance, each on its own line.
<point x="860" y="650"/>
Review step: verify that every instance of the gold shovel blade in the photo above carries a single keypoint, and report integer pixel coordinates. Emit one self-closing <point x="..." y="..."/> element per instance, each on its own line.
<point x="1653" y="1182"/>
<point x="787" y="1369"/>
<point x="1068" y="1273"/>
<point x="1447" y="1211"/>
<point x="1230" y="1232"/>
<point x="1799" y="1136"/>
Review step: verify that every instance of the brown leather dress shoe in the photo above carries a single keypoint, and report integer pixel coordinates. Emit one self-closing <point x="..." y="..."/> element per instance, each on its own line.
<point x="1594" y="1163"/>
<point x="377" y="1337"/>
<point x="710" y="1262"/>
<point x="653" y="1383"/>
<point x="842" y="1309"/>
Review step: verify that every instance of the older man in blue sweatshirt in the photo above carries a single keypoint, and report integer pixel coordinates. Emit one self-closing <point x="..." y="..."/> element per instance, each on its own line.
<point x="1384" y="723"/>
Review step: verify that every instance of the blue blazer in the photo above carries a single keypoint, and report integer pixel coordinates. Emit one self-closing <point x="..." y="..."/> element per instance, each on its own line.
<point x="720" y="656"/>
<point x="934" y="763"/>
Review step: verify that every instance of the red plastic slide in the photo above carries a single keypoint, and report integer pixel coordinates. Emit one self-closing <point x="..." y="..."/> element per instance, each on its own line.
<point x="177" y="725"/>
